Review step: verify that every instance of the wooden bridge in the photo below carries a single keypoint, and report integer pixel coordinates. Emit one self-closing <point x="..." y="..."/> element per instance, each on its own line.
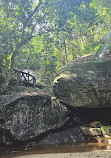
<point x="24" y="77"/>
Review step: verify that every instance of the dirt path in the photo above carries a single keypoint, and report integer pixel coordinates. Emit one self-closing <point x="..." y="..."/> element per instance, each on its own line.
<point x="92" y="154"/>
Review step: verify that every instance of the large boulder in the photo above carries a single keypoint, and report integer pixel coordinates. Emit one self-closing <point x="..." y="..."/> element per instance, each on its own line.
<point x="1" y="79"/>
<point x="29" y="116"/>
<point x="84" y="83"/>
<point x="71" y="136"/>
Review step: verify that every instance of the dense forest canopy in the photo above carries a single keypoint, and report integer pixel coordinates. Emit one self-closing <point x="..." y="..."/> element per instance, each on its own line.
<point x="47" y="34"/>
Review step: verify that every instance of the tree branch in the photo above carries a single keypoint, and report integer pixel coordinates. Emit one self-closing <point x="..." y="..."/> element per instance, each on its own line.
<point x="30" y="16"/>
<point x="27" y="39"/>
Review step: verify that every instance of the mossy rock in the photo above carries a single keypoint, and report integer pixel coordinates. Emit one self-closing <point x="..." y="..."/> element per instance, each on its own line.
<point x="84" y="84"/>
<point x="106" y="130"/>
<point x="91" y="131"/>
<point x="30" y="116"/>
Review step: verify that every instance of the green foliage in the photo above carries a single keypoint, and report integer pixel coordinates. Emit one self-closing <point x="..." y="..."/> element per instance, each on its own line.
<point x="48" y="34"/>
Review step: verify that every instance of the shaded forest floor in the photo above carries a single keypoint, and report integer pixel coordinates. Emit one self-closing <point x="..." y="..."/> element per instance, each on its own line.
<point x="92" y="154"/>
<point x="76" y="151"/>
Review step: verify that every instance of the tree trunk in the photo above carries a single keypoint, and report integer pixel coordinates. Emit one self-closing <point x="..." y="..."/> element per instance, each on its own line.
<point x="12" y="59"/>
<point x="65" y="53"/>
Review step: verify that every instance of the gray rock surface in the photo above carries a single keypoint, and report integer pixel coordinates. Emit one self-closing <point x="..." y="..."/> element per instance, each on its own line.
<point x="71" y="136"/>
<point x="29" y="116"/>
<point x="84" y="84"/>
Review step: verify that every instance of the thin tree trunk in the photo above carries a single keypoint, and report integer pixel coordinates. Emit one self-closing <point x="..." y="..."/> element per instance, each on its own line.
<point x="12" y="60"/>
<point x="65" y="55"/>
<point x="14" y="53"/>
<point x="82" y="43"/>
